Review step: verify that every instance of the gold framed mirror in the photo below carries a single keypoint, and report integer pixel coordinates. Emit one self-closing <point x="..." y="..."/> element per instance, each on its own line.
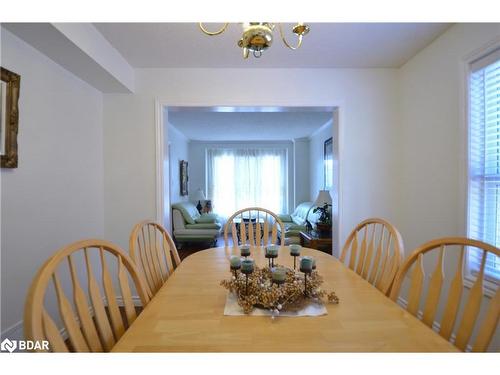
<point x="9" y="117"/>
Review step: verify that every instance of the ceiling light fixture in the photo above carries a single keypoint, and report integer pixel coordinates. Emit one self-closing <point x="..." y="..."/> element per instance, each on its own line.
<point x="258" y="36"/>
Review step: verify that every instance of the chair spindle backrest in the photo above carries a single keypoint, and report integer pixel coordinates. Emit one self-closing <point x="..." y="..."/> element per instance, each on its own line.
<point x="376" y="252"/>
<point x="154" y="252"/>
<point x="452" y="248"/>
<point x="262" y="222"/>
<point x="93" y="327"/>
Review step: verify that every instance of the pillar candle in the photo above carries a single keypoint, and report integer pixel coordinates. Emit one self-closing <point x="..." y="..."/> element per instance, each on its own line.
<point x="272" y="250"/>
<point x="235" y="261"/>
<point x="295" y="250"/>
<point x="306" y="264"/>
<point x="245" y="250"/>
<point x="247" y="265"/>
<point x="279" y="274"/>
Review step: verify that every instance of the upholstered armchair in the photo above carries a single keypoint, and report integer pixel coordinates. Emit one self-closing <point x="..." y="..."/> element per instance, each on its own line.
<point x="191" y="226"/>
<point x="296" y="222"/>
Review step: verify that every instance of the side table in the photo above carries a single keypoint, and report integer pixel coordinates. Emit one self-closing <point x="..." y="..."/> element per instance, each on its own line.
<point x="314" y="240"/>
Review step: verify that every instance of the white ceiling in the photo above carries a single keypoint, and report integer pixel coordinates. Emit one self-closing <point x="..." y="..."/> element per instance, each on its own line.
<point x="328" y="45"/>
<point x="247" y="126"/>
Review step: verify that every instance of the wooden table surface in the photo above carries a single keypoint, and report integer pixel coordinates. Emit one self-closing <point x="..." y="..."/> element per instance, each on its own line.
<point x="186" y="315"/>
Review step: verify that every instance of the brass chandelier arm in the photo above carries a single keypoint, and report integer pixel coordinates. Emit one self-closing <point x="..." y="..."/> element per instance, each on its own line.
<point x="299" y="42"/>
<point x="200" y="24"/>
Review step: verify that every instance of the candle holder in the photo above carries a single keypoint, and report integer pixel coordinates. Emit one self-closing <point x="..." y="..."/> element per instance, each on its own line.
<point x="278" y="282"/>
<point x="247" y="267"/>
<point x="271" y="253"/>
<point x="306" y="272"/>
<point x="254" y="290"/>
<point x="270" y="259"/>
<point x="235" y="265"/>
<point x="295" y="252"/>
<point x="278" y="275"/>
<point x="235" y="270"/>
<point x="306" y="266"/>
<point x="245" y="251"/>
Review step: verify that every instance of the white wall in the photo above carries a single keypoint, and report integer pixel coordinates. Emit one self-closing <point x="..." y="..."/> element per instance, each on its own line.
<point x="367" y="102"/>
<point x="302" y="171"/>
<point x="197" y="156"/>
<point x="178" y="144"/>
<point x="316" y="160"/>
<point x="431" y="152"/>
<point x="55" y="196"/>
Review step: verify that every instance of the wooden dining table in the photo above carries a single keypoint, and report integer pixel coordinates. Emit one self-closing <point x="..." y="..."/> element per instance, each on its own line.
<point x="187" y="315"/>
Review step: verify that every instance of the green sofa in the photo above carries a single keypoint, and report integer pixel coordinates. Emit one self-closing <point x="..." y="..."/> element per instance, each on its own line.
<point x="191" y="226"/>
<point x="296" y="222"/>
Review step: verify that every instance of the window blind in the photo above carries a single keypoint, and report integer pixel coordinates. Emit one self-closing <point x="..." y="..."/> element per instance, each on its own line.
<point x="484" y="160"/>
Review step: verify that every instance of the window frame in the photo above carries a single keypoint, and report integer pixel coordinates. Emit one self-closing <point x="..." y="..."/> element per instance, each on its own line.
<point x="489" y="287"/>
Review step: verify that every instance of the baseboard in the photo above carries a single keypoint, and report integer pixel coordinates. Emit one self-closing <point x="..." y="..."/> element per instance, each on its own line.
<point x="14" y="332"/>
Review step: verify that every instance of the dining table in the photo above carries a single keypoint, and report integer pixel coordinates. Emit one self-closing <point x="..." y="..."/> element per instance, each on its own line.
<point x="187" y="314"/>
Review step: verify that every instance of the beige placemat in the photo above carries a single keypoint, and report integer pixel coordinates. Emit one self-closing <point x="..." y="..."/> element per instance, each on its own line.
<point x="233" y="309"/>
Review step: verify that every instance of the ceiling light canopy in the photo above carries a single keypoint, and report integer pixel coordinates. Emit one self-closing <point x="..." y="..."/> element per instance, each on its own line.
<point x="258" y="36"/>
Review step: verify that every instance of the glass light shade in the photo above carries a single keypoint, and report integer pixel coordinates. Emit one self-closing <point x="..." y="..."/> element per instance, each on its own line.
<point x="323" y="198"/>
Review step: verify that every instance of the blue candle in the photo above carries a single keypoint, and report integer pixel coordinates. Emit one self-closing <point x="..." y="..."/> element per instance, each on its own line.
<point x="306" y="264"/>
<point x="247" y="265"/>
<point x="295" y="250"/>
<point x="235" y="262"/>
<point x="245" y="250"/>
<point x="272" y="250"/>
<point x="279" y="274"/>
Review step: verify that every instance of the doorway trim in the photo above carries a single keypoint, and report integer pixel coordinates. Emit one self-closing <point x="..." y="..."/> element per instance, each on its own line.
<point x="163" y="215"/>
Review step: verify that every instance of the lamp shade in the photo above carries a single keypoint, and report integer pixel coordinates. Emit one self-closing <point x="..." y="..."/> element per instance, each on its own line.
<point x="323" y="198"/>
<point x="199" y="195"/>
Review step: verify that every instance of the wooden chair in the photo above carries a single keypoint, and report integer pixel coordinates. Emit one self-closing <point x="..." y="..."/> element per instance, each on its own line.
<point x="94" y="327"/>
<point x="256" y="234"/>
<point x="153" y="250"/>
<point x="457" y="246"/>
<point x="380" y="255"/>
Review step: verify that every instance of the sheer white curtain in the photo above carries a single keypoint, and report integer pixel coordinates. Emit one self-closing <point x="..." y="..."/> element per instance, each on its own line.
<point x="244" y="177"/>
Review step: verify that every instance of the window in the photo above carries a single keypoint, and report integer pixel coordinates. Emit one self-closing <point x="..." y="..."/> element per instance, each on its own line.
<point x="240" y="178"/>
<point x="484" y="160"/>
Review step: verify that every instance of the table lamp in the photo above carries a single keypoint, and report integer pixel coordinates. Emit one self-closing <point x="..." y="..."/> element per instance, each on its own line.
<point x="323" y="198"/>
<point x="199" y="196"/>
<point x="324" y="222"/>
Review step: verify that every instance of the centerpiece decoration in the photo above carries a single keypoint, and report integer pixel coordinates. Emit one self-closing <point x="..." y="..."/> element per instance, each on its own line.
<point x="276" y="287"/>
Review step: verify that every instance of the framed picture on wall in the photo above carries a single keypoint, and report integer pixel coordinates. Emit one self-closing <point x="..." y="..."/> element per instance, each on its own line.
<point x="184" y="177"/>
<point x="328" y="164"/>
<point x="9" y="117"/>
